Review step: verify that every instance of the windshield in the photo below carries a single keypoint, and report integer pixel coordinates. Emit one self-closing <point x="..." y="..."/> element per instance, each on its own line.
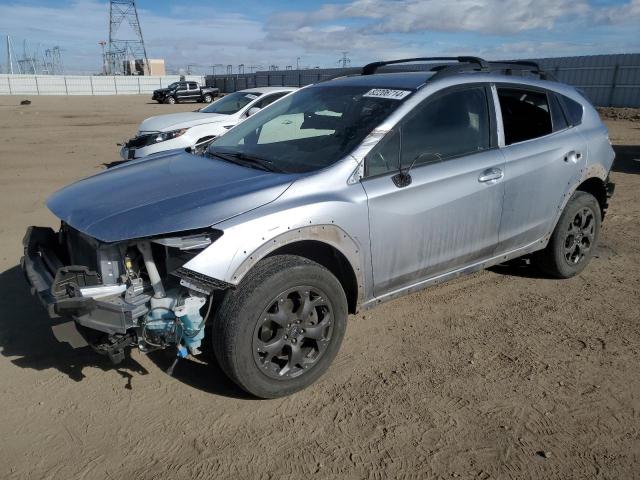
<point x="232" y="103"/>
<point x="310" y="129"/>
<point x="173" y="85"/>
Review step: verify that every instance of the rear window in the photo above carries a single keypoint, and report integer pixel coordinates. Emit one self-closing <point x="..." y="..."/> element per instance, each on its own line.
<point x="525" y="114"/>
<point x="573" y="110"/>
<point x="232" y="103"/>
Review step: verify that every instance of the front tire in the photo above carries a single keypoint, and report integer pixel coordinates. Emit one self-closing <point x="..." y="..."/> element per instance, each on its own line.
<point x="208" y="98"/>
<point x="281" y="328"/>
<point x="574" y="239"/>
<point x="171" y="100"/>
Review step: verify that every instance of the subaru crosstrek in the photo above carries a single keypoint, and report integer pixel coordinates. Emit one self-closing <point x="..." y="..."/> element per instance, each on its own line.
<point x="342" y="195"/>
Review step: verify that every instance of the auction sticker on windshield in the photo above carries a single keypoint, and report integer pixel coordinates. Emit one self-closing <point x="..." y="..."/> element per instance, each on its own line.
<point x="250" y="96"/>
<point x="387" y="93"/>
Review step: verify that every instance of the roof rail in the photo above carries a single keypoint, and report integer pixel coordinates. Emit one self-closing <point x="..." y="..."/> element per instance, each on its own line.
<point x="478" y="63"/>
<point x="509" y="67"/>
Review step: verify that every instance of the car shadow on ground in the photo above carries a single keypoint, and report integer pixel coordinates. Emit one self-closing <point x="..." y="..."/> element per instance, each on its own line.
<point x="518" y="267"/>
<point x="30" y="339"/>
<point x="525" y="267"/>
<point x="203" y="373"/>
<point x="28" y="336"/>
<point x="627" y="159"/>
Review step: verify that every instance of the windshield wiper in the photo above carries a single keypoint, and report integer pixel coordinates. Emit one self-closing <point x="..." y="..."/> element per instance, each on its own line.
<point x="247" y="160"/>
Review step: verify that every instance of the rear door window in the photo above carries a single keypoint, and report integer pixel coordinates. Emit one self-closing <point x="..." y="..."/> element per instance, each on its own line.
<point x="525" y="114"/>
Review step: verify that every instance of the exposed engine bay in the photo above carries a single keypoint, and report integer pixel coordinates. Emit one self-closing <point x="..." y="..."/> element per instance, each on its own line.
<point x="132" y="293"/>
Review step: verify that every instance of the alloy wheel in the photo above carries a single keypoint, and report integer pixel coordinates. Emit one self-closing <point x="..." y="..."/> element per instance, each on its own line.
<point x="293" y="332"/>
<point x="579" y="236"/>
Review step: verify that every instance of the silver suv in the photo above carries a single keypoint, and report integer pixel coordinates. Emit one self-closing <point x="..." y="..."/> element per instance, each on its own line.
<point x="340" y="196"/>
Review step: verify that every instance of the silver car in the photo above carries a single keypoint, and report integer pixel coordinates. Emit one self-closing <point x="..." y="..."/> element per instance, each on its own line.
<point x="338" y="197"/>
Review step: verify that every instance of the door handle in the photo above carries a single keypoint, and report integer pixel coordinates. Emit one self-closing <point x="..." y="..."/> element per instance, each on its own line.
<point x="491" y="175"/>
<point x="572" y="156"/>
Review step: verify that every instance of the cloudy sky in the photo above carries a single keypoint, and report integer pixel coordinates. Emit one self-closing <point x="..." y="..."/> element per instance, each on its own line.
<point x="267" y="32"/>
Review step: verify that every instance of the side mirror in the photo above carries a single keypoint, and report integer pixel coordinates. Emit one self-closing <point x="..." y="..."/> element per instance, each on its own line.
<point x="253" y="111"/>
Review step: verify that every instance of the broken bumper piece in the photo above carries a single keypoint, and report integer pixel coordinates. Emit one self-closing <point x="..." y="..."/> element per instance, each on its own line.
<point x="75" y="291"/>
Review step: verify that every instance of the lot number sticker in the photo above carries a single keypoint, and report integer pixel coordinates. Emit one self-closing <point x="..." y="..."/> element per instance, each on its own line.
<point x="387" y="93"/>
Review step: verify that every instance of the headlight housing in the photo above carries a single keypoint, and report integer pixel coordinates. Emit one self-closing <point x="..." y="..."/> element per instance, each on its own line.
<point x="190" y="241"/>
<point x="164" y="136"/>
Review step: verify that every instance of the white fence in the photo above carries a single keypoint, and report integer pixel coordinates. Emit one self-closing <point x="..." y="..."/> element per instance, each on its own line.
<point x="86" y="84"/>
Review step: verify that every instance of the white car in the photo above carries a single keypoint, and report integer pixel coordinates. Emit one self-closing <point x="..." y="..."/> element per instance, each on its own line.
<point x="197" y="129"/>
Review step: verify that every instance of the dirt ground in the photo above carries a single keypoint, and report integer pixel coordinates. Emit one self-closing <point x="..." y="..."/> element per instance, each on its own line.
<point x="503" y="374"/>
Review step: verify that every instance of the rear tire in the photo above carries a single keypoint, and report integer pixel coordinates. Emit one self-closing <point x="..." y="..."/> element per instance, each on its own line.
<point x="281" y="328"/>
<point x="574" y="239"/>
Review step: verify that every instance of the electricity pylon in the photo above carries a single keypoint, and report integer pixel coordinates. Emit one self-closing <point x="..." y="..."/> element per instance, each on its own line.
<point x="121" y="50"/>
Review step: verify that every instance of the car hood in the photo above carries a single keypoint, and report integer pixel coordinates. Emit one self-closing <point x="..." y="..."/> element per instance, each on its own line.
<point x="174" y="121"/>
<point x="164" y="194"/>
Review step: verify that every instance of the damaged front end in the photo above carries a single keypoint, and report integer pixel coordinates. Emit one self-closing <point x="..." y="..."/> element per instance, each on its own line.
<point x="129" y="293"/>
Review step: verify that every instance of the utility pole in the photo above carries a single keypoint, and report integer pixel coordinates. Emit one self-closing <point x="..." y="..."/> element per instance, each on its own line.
<point x="213" y="68"/>
<point x="102" y="43"/>
<point x="10" y="57"/>
<point x="297" y="63"/>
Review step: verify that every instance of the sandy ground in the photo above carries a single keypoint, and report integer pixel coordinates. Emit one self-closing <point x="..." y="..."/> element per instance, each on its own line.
<point x="503" y="374"/>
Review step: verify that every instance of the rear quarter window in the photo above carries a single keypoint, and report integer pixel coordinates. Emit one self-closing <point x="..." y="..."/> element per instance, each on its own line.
<point x="573" y="110"/>
<point x="557" y="114"/>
